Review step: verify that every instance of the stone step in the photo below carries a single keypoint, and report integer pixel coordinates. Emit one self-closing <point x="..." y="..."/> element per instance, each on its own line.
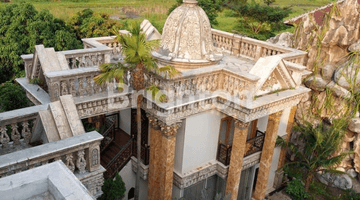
<point x="48" y="123"/>
<point x="75" y="124"/>
<point x="61" y="120"/>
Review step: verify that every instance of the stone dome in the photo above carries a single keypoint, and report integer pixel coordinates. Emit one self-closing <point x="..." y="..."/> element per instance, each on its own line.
<point x="186" y="40"/>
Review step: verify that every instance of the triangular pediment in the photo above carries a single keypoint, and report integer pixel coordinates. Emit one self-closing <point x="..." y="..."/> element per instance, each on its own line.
<point x="273" y="74"/>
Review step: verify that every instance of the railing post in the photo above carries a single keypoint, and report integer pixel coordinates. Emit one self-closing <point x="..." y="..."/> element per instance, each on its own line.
<point x="258" y="52"/>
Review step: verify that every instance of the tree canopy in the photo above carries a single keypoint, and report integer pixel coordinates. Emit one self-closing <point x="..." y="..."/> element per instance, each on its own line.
<point x="21" y="28"/>
<point x="211" y="8"/>
<point x="260" y="21"/>
<point x="87" y="24"/>
<point x="12" y="97"/>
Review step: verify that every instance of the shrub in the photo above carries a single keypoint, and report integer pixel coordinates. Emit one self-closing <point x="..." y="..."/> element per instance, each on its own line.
<point x="87" y="24"/>
<point x="229" y="13"/>
<point x="113" y="189"/>
<point x="12" y="97"/>
<point x="296" y="189"/>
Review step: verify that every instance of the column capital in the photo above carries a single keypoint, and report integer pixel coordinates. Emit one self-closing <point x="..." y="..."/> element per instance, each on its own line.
<point x="276" y="116"/>
<point x="169" y="130"/>
<point x="154" y="122"/>
<point x="241" y="125"/>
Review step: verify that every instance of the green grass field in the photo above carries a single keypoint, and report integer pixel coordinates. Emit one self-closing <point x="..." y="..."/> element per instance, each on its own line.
<point x="154" y="10"/>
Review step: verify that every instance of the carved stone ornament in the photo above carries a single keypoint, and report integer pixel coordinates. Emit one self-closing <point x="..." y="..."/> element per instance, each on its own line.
<point x="81" y="162"/>
<point x="94" y="157"/>
<point x="4" y="138"/>
<point x="15" y="135"/>
<point x="26" y="132"/>
<point x="153" y="121"/>
<point x="241" y="124"/>
<point x="69" y="162"/>
<point x="171" y="130"/>
<point x="270" y="82"/>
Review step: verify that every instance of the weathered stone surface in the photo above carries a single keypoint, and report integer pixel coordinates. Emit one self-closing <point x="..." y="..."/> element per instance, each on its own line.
<point x="266" y="156"/>
<point x="338" y="91"/>
<point x="285" y="39"/>
<point x="327" y="71"/>
<point x="236" y="161"/>
<point x="341" y="32"/>
<point x="354" y="125"/>
<point x="343" y="181"/>
<point x="352" y="173"/>
<point x="345" y="74"/>
<point x="354" y="47"/>
<point x="154" y="164"/>
<point x="316" y="83"/>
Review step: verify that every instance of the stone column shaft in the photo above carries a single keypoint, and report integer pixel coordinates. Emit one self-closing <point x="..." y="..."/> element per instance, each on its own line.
<point x="162" y="154"/>
<point x="167" y="166"/>
<point x="288" y="136"/>
<point x="154" y="164"/>
<point x="266" y="156"/>
<point x="236" y="159"/>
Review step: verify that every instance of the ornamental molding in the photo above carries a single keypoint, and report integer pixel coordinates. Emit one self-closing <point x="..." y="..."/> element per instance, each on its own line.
<point x="176" y="114"/>
<point x="210" y="169"/>
<point x="144" y="169"/>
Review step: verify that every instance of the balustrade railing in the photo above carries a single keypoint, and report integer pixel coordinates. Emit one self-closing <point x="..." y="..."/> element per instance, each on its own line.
<point x="253" y="145"/>
<point x="253" y="49"/>
<point x="108" y="135"/>
<point x="224" y="153"/>
<point x="80" y="153"/>
<point x="18" y="126"/>
<point x="119" y="160"/>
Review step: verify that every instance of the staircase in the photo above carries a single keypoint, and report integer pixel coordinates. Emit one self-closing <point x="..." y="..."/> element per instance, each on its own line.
<point x="60" y="121"/>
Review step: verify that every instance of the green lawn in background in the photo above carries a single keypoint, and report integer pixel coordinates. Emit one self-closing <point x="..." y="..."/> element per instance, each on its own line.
<point x="154" y="10"/>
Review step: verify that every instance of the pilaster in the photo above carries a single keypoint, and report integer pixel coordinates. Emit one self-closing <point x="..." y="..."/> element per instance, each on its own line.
<point x="168" y="140"/>
<point x="162" y="154"/>
<point x="266" y="155"/>
<point x="155" y="158"/>
<point x="288" y="136"/>
<point x="236" y="159"/>
<point x="279" y="174"/>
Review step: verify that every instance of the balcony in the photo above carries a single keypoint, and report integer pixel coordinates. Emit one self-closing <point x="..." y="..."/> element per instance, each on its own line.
<point x="253" y="145"/>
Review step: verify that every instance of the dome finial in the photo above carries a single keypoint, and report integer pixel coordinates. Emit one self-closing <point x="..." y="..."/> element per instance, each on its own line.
<point x="189" y="1"/>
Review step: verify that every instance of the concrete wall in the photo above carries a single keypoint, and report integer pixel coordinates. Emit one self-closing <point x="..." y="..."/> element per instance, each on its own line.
<point x="179" y="148"/>
<point x="201" y="140"/>
<point x="129" y="178"/>
<point x="125" y="120"/>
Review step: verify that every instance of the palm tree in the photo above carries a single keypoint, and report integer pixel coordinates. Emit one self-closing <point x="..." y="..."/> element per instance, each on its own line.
<point x="322" y="144"/>
<point x="136" y="51"/>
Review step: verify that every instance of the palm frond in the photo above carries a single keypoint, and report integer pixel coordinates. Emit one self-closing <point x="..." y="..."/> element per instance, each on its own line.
<point x="156" y="93"/>
<point x="169" y="71"/>
<point x="110" y="71"/>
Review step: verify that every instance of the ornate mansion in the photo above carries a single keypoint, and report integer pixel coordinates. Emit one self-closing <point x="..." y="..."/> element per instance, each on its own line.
<point x="214" y="138"/>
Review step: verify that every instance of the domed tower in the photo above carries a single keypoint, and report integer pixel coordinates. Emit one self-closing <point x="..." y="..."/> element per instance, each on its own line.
<point x="186" y="41"/>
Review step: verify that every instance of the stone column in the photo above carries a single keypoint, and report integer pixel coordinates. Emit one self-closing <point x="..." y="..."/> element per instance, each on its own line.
<point x="266" y="155"/>
<point x="168" y="140"/>
<point x="236" y="159"/>
<point x="280" y="173"/>
<point x="161" y="165"/>
<point x="155" y="159"/>
<point x="288" y="136"/>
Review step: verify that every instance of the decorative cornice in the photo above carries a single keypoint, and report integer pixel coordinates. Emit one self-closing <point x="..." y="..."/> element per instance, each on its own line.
<point x="211" y="169"/>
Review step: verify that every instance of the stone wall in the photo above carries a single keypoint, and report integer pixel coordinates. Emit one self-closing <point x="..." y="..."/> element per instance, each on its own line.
<point x="330" y="39"/>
